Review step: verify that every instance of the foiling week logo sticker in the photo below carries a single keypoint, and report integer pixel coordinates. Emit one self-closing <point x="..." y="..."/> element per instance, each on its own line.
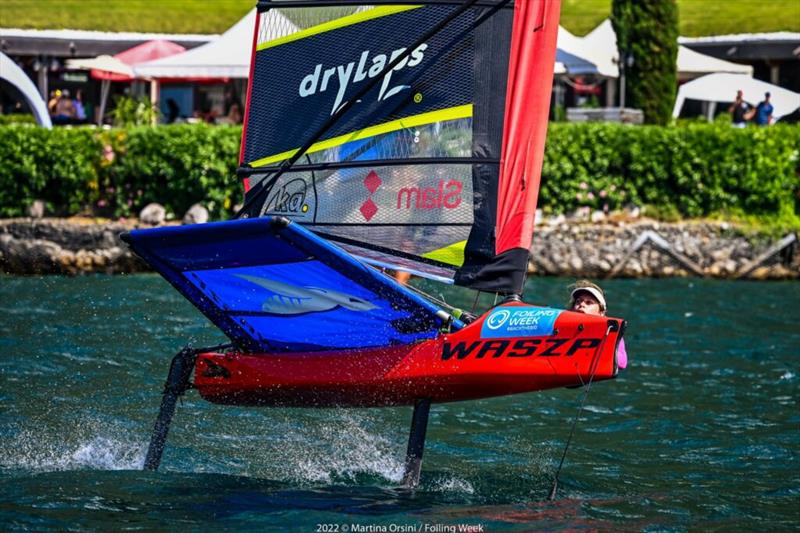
<point x="520" y="322"/>
<point x="498" y="318"/>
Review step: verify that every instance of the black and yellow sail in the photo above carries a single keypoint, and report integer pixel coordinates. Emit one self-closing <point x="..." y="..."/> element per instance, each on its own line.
<point x="380" y="127"/>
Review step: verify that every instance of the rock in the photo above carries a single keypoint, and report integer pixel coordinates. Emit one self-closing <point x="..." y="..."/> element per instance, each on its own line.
<point x="197" y="214"/>
<point x="760" y="273"/>
<point x="107" y="240"/>
<point x="35" y="257"/>
<point x="66" y="259"/>
<point x="780" y="272"/>
<point x="153" y="214"/>
<point x="721" y="255"/>
<point x="597" y="216"/>
<point x="633" y="211"/>
<point x="576" y="264"/>
<point x="36" y="209"/>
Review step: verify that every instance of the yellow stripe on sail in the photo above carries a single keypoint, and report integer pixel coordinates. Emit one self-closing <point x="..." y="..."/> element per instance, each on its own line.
<point x="349" y="20"/>
<point x="452" y="113"/>
<point x="452" y="254"/>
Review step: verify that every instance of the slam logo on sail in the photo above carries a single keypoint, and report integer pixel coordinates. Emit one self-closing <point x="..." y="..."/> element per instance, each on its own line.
<point x="342" y="76"/>
<point x="447" y="195"/>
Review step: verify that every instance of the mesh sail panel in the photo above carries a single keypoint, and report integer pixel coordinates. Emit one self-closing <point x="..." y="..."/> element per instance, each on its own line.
<point x="302" y="78"/>
<point x="404" y="176"/>
<point x="421" y="211"/>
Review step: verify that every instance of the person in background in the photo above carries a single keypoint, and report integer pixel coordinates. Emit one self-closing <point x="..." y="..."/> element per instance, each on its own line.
<point x="588" y="298"/>
<point x="234" y="116"/>
<point x="173" y="111"/>
<point x="65" y="111"/>
<point x="740" y="111"/>
<point x="764" y="112"/>
<point x="55" y="96"/>
<point x="77" y="103"/>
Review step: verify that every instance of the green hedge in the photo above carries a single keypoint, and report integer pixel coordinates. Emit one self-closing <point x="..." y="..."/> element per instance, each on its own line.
<point x="692" y="170"/>
<point x="117" y="172"/>
<point x="60" y="166"/>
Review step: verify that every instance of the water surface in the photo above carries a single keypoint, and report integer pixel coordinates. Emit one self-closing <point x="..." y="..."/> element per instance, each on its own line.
<point x="700" y="433"/>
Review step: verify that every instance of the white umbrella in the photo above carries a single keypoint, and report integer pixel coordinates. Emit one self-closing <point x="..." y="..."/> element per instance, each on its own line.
<point x="105" y="63"/>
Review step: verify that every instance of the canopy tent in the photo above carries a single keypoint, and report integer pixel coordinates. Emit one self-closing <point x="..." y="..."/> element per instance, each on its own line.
<point x="120" y="66"/>
<point x="692" y="64"/>
<point x="226" y="57"/>
<point x="575" y="57"/>
<point x="721" y="87"/>
<point x="601" y="44"/>
<point x="14" y="75"/>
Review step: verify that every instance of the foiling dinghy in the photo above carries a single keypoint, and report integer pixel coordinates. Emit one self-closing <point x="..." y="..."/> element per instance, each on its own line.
<point x="402" y="137"/>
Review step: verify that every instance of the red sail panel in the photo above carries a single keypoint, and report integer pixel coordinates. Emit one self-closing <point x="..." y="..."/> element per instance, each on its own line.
<point x="246" y="182"/>
<point x="530" y="81"/>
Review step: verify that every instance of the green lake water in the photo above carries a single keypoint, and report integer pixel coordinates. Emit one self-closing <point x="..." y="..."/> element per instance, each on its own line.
<point x="702" y="432"/>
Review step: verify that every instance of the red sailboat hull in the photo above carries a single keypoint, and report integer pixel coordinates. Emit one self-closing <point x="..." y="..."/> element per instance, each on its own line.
<point x="463" y="365"/>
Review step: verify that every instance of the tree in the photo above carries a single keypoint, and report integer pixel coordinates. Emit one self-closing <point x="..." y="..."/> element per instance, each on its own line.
<point x="647" y="40"/>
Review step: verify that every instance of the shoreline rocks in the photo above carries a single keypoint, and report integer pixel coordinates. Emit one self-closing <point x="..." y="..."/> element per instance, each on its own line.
<point x="647" y="248"/>
<point x="641" y="248"/>
<point x="66" y="246"/>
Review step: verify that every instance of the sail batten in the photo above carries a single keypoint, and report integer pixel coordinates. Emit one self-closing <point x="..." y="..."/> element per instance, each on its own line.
<point x="388" y="129"/>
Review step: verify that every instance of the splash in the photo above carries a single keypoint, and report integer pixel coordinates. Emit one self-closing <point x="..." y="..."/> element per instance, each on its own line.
<point x="453" y="485"/>
<point x="342" y="449"/>
<point x="42" y="451"/>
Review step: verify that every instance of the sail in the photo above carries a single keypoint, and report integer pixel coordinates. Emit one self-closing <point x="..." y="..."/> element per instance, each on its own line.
<point x="410" y="135"/>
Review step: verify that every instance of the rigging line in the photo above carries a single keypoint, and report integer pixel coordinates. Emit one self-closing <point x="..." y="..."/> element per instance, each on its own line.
<point x="430" y="297"/>
<point x="592" y="370"/>
<point x="475" y="303"/>
<point x="314" y="185"/>
<point x="257" y="196"/>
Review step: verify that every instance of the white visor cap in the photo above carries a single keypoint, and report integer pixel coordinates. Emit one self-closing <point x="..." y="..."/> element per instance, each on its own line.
<point x="594" y="292"/>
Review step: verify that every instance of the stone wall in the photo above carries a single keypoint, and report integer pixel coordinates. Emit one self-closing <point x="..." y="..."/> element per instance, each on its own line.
<point x="695" y="249"/>
<point x="65" y="246"/>
<point x="594" y="250"/>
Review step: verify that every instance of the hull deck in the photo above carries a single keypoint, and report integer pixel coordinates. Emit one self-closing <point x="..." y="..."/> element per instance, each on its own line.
<point x="464" y="365"/>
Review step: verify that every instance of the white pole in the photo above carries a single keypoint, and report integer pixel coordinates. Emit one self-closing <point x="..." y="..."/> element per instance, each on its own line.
<point x="154" y="94"/>
<point x="105" y="87"/>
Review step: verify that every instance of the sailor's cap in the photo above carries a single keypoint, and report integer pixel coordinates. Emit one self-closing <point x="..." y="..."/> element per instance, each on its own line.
<point x="594" y="292"/>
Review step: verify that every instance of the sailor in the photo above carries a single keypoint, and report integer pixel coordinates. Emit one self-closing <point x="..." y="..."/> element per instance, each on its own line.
<point x="588" y="298"/>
